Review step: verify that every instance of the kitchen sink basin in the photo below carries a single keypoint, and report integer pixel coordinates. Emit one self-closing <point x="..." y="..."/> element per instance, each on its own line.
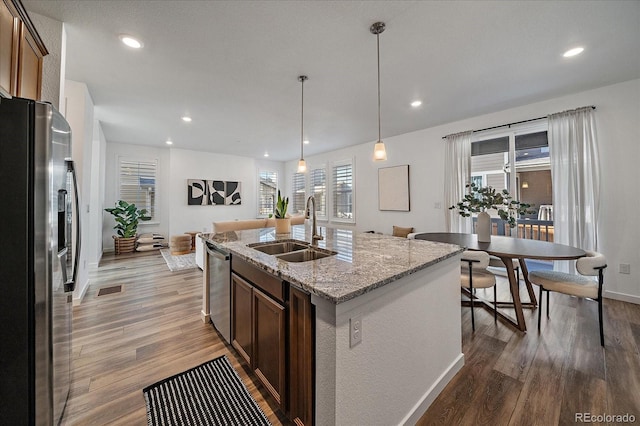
<point x="280" y="247"/>
<point x="306" y="255"/>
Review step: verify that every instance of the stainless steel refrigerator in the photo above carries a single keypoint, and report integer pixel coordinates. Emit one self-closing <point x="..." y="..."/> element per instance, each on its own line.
<point x="39" y="253"/>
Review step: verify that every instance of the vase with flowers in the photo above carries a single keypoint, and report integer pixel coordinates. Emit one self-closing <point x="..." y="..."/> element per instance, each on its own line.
<point x="479" y="199"/>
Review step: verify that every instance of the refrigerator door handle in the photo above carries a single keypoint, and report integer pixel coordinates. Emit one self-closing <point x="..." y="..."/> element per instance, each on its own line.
<point x="70" y="285"/>
<point x="62" y="257"/>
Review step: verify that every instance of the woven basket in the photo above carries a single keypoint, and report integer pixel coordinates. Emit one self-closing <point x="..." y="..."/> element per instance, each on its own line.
<point x="124" y="245"/>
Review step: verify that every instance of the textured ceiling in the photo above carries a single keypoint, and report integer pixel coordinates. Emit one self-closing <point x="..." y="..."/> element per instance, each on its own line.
<point x="233" y="65"/>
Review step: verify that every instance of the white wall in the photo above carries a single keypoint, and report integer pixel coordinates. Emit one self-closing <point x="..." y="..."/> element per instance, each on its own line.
<point x="96" y="197"/>
<point x="617" y="118"/>
<point x="186" y="164"/>
<point x="79" y="114"/>
<point x="113" y="152"/>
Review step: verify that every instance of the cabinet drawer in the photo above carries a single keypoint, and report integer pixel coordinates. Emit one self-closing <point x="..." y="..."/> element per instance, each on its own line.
<point x="266" y="282"/>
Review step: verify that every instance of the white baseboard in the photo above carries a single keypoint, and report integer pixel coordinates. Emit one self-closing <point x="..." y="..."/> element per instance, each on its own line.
<point x="78" y="300"/>
<point x="622" y="297"/>
<point x="432" y="393"/>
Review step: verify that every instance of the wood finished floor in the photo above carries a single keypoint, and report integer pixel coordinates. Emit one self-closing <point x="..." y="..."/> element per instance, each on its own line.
<point x="513" y="378"/>
<point x="125" y="341"/>
<point x="152" y="329"/>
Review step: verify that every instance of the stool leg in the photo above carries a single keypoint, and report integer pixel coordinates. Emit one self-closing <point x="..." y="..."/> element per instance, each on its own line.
<point x="600" y="320"/>
<point x="540" y="307"/>
<point x="548" y="303"/>
<point x="495" y="300"/>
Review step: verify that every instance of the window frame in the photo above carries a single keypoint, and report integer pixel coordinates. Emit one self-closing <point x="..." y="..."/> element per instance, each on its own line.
<point x="153" y="210"/>
<point x="259" y="193"/>
<point x="332" y="195"/>
<point x="310" y="190"/>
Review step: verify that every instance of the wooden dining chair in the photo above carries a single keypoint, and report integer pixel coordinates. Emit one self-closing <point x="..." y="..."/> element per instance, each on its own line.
<point x="575" y="285"/>
<point x="474" y="274"/>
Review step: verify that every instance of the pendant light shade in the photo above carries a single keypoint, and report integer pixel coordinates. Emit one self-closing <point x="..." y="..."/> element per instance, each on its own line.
<point x="302" y="165"/>
<point x="379" y="151"/>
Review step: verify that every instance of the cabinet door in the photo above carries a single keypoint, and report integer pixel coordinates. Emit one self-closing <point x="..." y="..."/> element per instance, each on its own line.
<point x="7" y="49"/>
<point x="301" y="356"/>
<point x="29" y="67"/>
<point x="241" y="317"/>
<point x="269" y="344"/>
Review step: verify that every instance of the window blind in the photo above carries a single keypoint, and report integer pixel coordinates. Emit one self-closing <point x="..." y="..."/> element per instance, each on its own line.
<point x="319" y="190"/>
<point x="343" y="192"/>
<point x="138" y="184"/>
<point x="267" y="192"/>
<point x="296" y="203"/>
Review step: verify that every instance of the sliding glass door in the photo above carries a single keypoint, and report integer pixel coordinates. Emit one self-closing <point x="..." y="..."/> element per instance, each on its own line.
<point x="517" y="159"/>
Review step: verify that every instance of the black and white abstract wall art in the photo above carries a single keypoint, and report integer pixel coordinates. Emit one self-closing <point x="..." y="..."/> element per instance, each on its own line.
<point x="232" y="193"/>
<point x="201" y="192"/>
<point x="197" y="192"/>
<point x="216" y="192"/>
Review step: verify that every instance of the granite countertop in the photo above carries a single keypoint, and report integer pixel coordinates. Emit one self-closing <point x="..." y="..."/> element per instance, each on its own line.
<point x="364" y="261"/>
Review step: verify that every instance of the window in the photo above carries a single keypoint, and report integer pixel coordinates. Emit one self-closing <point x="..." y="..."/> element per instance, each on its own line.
<point x="318" y="177"/>
<point x="343" y="196"/>
<point x="529" y="181"/>
<point x="297" y="200"/>
<point x="267" y="192"/>
<point x="138" y="184"/>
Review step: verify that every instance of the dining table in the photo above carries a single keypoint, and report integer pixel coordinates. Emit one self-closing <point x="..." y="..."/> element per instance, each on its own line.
<point x="509" y="248"/>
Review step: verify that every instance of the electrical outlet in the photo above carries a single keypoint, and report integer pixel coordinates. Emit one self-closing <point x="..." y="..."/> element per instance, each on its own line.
<point x="625" y="268"/>
<point x="355" y="330"/>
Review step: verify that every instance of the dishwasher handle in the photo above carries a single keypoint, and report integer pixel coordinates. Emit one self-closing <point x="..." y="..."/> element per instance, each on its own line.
<point x="215" y="251"/>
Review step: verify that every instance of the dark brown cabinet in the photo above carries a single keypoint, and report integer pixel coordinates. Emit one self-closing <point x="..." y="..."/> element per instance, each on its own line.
<point x="272" y="328"/>
<point x="21" y="52"/>
<point x="242" y="319"/>
<point x="269" y="344"/>
<point x="301" y="357"/>
<point x="258" y="324"/>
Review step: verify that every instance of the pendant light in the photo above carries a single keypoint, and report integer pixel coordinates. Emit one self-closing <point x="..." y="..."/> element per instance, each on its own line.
<point x="302" y="165"/>
<point x="379" y="152"/>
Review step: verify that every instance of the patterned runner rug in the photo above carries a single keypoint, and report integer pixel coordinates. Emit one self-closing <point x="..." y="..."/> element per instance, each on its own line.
<point x="180" y="262"/>
<point x="210" y="394"/>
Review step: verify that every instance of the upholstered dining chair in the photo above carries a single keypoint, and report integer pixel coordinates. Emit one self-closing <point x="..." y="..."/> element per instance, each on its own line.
<point x="575" y="285"/>
<point x="474" y="274"/>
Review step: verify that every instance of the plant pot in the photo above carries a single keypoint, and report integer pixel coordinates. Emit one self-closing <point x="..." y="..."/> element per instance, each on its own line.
<point x="283" y="226"/>
<point x="124" y="245"/>
<point x="483" y="227"/>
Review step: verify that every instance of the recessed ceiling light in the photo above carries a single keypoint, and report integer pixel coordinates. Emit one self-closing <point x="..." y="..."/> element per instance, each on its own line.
<point x="306" y="141"/>
<point x="416" y="104"/>
<point x="186" y="119"/>
<point x="130" y="41"/>
<point x="573" y="52"/>
<point x="266" y="154"/>
<point x="169" y="142"/>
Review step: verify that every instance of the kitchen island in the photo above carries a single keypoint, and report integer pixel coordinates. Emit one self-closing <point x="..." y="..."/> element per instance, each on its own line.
<point x="386" y="319"/>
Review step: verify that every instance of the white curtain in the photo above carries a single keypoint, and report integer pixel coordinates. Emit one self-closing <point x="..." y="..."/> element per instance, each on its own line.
<point x="575" y="174"/>
<point x="457" y="173"/>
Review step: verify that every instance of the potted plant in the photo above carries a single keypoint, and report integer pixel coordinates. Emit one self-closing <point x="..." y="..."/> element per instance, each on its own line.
<point x="127" y="217"/>
<point x="283" y="223"/>
<point x="479" y="199"/>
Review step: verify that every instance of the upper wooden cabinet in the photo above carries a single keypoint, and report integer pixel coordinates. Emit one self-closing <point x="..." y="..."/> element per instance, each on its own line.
<point x="21" y="52"/>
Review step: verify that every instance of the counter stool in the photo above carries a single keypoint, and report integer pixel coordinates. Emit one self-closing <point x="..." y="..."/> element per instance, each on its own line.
<point x="193" y="239"/>
<point x="180" y="244"/>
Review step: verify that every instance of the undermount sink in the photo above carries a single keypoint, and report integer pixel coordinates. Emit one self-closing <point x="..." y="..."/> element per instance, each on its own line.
<point x="306" y="255"/>
<point x="280" y="247"/>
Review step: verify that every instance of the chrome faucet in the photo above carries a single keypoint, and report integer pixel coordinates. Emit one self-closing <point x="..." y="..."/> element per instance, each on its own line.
<point x="315" y="236"/>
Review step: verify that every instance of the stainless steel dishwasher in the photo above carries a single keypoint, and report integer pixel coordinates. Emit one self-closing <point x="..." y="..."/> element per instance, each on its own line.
<point x="220" y="290"/>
